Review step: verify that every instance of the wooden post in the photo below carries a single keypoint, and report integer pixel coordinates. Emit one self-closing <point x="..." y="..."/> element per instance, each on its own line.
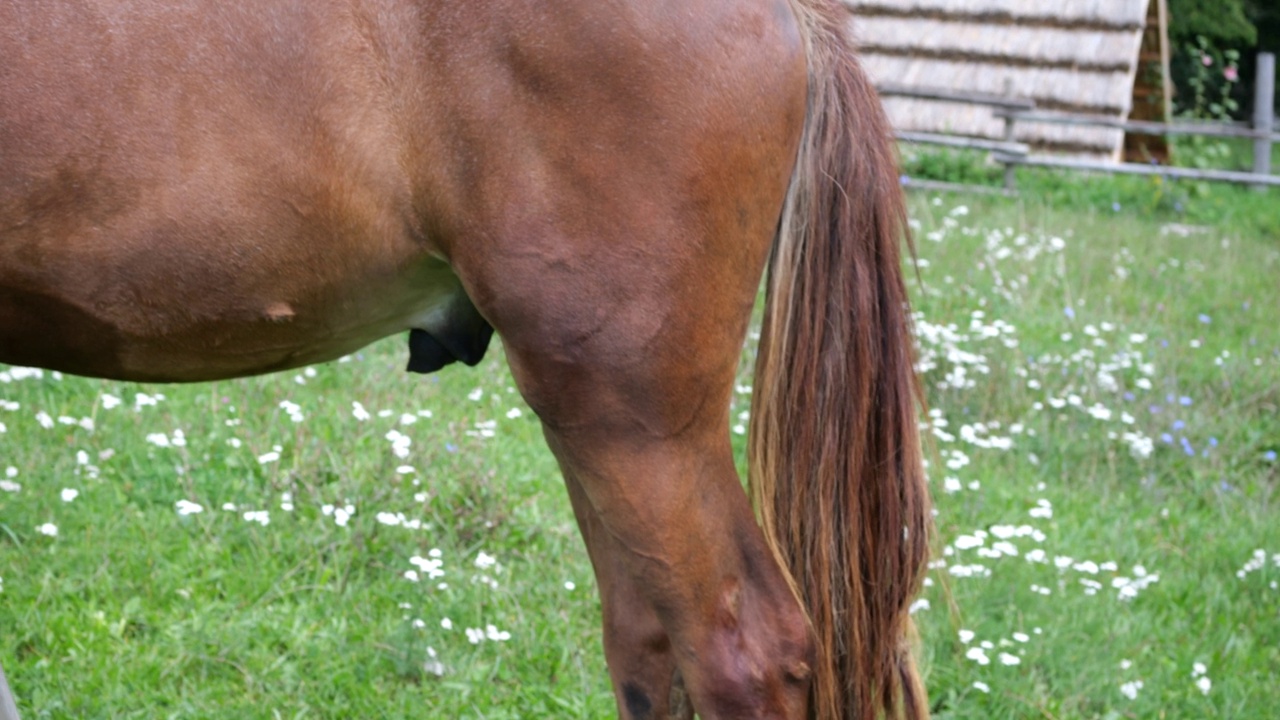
<point x="1264" y="112"/>
<point x="1166" y="83"/>
<point x="8" y="711"/>
<point x="1010" y="177"/>
<point x="1152" y="88"/>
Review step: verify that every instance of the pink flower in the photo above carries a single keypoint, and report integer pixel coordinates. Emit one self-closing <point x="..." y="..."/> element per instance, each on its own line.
<point x="1206" y="60"/>
<point x="1231" y="74"/>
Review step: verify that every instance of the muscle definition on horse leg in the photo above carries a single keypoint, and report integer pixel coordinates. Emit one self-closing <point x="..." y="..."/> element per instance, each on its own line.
<point x="209" y="189"/>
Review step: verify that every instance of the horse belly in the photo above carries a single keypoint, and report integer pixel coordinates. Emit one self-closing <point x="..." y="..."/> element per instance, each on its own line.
<point x="183" y="199"/>
<point x="237" y="268"/>
<point x="155" y="322"/>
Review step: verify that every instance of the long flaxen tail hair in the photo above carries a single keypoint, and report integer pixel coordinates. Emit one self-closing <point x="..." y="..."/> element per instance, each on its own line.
<point x="835" y="465"/>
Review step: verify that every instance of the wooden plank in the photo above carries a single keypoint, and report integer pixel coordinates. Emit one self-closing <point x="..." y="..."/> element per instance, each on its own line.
<point x="967" y="143"/>
<point x="1178" y="173"/>
<point x="1028" y="14"/>
<point x="8" y="709"/>
<point x="939" y="186"/>
<point x="1139" y="127"/>
<point x="1223" y="123"/>
<point x="1151" y="89"/>
<point x="1264" y="101"/>
<point x="1166" y="55"/>
<point x="1009" y="135"/>
<point x="989" y="100"/>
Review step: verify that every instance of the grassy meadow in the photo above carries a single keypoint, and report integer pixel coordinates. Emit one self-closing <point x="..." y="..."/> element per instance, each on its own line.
<point x="350" y="541"/>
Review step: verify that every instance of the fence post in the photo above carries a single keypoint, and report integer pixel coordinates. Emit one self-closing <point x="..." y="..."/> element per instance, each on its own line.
<point x="8" y="711"/>
<point x="1010" y="177"/>
<point x="1264" y="99"/>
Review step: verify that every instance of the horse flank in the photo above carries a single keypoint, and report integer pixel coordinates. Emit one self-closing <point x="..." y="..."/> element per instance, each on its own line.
<point x="835" y="464"/>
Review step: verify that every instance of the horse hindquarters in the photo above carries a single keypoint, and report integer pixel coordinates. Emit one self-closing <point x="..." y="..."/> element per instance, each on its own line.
<point x="621" y="276"/>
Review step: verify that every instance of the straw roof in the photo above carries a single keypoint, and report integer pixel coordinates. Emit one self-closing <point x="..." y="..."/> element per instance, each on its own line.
<point x="1069" y="55"/>
<point x="1128" y="14"/>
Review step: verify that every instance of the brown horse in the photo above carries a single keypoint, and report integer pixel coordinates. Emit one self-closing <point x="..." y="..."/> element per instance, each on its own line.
<point x="214" y="188"/>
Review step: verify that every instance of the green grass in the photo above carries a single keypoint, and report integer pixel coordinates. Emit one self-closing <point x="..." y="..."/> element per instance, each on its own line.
<point x="1230" y="208"/>
<point x="1226" y="153"/>
<point x="134" y="610"/>
<point x="1173" y="333"/>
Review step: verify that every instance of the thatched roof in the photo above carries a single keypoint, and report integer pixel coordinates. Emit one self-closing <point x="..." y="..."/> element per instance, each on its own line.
<point x="1114" y="14"/>
<point x="1070" y="55"/>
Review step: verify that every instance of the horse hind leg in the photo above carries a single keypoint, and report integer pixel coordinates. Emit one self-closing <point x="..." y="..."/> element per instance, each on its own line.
<point x="687" y="583"/>
<point x="645" y="681"/>
<point x="631" y="370"/>
<point x="622" y="283"/>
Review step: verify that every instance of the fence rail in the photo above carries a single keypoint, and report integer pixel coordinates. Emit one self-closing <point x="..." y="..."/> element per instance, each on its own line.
<point x="1143" y="127"/>
<point x="990" y="100"/>
<point x="1230" y="176"/>
<point x="1264" y="131"/>
<point x="967" y="143"/>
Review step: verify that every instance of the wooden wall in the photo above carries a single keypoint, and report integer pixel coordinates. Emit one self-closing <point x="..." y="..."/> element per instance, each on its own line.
<point x="1069" y="55"/>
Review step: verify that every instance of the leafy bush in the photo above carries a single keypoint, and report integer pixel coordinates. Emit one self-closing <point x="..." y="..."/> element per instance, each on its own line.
<point x="1221" y="22"/>
<point x="964" y="167"/>
<point x="1246" y="27"/>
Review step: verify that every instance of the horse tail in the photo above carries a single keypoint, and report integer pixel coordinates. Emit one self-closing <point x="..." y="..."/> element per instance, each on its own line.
<point x="835" y="465"/>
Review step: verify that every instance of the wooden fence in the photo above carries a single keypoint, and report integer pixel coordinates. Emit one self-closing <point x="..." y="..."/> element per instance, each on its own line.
<point x="8" y="710"/>
<point x="1264" y="132"/>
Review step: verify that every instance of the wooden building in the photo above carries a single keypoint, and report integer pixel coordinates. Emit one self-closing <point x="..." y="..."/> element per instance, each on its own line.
<point x="1102" y="57"/>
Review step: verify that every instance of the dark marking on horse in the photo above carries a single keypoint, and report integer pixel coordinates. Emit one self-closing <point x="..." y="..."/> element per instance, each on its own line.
<point x="754" y="559"/>
<point x="637" y="702"/>
<point x="464" y="336"/>
<point x="428" y="353"/>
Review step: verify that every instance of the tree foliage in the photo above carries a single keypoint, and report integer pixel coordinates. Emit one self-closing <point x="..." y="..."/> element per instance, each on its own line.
<point x="1266" y="16"/>
<point x="1225" y="23"/>
<point x="1240" y="24"/>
